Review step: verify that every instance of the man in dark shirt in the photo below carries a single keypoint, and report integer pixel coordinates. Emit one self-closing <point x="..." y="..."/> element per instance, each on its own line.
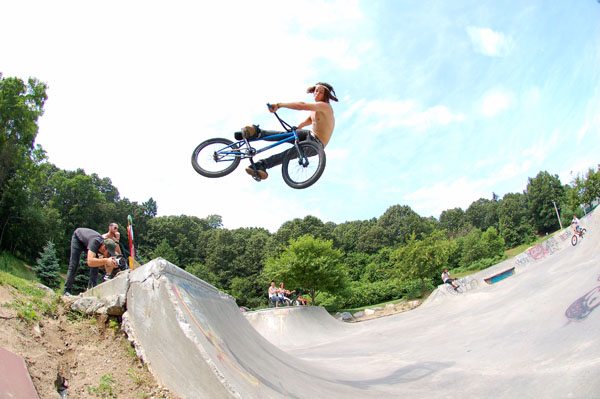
<point x="92" y="241"/>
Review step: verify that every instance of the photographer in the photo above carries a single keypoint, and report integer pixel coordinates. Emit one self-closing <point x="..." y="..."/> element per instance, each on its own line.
<point x="118" y="261"/>
<point x="98" y="251"/>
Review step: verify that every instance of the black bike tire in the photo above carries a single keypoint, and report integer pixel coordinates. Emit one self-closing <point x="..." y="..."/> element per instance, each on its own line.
<point x="574" y="240"/>
<point x="212" y="174"/>
<point x="293" y="156"/>
<point x="583" y="232"/>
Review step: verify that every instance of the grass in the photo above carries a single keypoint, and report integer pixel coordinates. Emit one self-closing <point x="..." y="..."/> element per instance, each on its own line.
<point x="107" y="387"/>
<point x="16" y="267"/>
<point x="33" y="302"/>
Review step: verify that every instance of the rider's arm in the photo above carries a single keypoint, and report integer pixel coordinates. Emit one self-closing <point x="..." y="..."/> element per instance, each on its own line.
<point x="302" y="106"/>
<point x="307" y="122"/>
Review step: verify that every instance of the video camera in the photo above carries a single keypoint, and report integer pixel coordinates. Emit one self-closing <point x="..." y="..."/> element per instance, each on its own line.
<point x="122" y="261"/>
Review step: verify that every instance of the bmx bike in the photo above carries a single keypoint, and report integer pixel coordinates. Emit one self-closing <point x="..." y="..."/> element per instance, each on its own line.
<point x="577" y="235"/>
<point x="450" y="289"/>
<point x="302" y="165"/>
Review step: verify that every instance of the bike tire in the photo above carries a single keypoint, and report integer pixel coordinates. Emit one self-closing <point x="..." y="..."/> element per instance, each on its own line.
<point x="583" y="232"/>
<point x="302" y="172"/>
<point x="574" y="240"/>
<point x="215" y="158"/>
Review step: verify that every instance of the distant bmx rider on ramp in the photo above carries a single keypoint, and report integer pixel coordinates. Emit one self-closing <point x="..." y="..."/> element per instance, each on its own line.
<point x="447" y="280"/>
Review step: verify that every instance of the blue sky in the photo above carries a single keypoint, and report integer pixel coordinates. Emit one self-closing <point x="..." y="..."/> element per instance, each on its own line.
<point x="441" y="103"/>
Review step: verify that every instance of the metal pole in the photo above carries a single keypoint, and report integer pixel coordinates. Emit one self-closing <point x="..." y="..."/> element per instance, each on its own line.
<point x="557" y="214"/>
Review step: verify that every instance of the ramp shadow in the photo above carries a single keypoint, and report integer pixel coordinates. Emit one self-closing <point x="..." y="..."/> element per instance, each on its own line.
<point x="402" y="375"/>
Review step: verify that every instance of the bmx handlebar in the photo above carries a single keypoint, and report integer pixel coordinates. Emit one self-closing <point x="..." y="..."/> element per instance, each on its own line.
<point x="286" y="126"/>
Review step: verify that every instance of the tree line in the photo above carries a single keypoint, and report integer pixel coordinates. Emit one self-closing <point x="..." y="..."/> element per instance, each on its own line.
<point x="356" y="263"/>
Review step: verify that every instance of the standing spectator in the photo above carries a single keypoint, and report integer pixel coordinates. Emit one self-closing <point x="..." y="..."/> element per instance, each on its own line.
<point x="113" y="234"/>
<point x="273" y="297"/>
<point x="92" y="241"/>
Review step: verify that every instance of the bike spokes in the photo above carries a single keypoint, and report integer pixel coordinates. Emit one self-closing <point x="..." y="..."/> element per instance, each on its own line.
<point x="216" y="157"/>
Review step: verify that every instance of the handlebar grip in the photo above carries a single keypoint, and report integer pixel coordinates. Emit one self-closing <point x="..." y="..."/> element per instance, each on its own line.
<point x="270" y="106"/>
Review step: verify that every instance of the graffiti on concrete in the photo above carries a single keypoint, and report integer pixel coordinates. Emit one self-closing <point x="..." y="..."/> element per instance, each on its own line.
<point x="565" y="235"/>
<point x="464" y="284"/>
<point x="582" y="307"/>
<point x="540" y="251"/>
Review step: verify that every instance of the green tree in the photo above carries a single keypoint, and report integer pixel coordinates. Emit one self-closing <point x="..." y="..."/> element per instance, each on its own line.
<point x="483" y="214"/>
<point x="82" y="277"/>
<point x="380" y="267"/>
<point x="310" y="263"/>
<point x="515" y="222"/>
<point x="586" y="189"/>
<point x="542" y="191"/>
<point x="399" y="222"/>
<point x="165" y="251"/>
<point x="453" y="220"/>
<point x="150" y="207"/>
<point x="493" y="243"/>
<point x="21" y="105"/>
<point x="422" y="259"/>
<point x="46" y="268"/>
<point x="372" y="239"/>
<point x="347" y="236"/>
<point x="297" y="228"/>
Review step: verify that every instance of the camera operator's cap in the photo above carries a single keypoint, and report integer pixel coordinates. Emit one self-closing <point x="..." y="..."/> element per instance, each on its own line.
<point x="111" y="246"/>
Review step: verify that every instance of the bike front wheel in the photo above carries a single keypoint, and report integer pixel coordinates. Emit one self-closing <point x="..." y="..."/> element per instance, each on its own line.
<point x="302" y="170"/>
<point x="574" y="240"/>
<point x="216" y="157"/>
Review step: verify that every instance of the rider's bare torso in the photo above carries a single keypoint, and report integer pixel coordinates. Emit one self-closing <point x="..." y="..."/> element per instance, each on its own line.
<point x="323" y="122"/>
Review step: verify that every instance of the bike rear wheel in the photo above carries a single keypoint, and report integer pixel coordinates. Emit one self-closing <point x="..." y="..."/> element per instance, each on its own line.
<point x="304" y="169"/>
<point x="215" y="157"/>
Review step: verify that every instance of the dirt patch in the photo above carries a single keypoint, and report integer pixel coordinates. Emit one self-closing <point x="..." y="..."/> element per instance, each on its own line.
<point x="90" y="356"/>
<point x="388" y="310"/>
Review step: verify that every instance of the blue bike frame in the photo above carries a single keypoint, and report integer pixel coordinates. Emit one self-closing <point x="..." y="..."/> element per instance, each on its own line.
<point x="237" y="150"/>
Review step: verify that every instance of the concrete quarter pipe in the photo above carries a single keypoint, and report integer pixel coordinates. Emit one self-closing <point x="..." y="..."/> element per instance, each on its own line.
<point x="535" y="334"/>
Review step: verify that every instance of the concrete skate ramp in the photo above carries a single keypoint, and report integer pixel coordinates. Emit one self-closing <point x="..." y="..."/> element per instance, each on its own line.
<point x="520" y="263"/>
<point x="298" y="326"/>
<point x="197" y="343"/>
<point x="532" y="335"/>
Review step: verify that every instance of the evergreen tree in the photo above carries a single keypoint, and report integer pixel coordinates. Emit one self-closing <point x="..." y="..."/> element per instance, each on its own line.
<point x="47" y="267"/>
<point x="83" y="276"/>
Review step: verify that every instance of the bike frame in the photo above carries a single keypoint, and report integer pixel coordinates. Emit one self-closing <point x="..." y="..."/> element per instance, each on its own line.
<point x="244" y="149"/>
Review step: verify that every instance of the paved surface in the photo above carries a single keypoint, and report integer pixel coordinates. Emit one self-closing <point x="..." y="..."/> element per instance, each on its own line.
<point x="15" y="381"/>
<point x="532" y="335"/>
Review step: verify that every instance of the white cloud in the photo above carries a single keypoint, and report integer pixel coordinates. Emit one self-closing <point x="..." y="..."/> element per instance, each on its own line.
<point x="380" y="114"/>
<point x="488" y="42"/>
<point x="494" y="102"/>
<point x="432" y="200"/>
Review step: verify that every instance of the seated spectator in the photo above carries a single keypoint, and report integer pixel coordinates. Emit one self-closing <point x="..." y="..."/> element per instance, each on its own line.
<point x="284" y="295"/>
<point x="302" y="301"/>
<point x="447" y="280"/>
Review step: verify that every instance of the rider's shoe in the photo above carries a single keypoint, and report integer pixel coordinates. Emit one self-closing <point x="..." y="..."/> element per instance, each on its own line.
<point x="251" y="132"/>
<point x="260" y="170"/>
<point x="238" y="136"/>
